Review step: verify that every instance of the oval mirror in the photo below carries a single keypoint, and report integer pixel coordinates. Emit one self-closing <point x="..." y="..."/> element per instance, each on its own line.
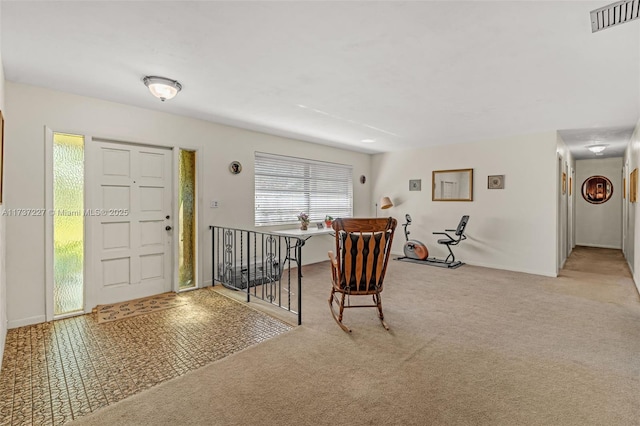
<point x="597" y="189"/>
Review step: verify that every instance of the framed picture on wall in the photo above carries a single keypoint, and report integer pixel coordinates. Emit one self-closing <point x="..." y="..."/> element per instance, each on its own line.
<point x="495" y="182"/>
<point x="415" y="185"/>
<point x="597" y="189"/>
<point x="633" y="186"/>
<point x="570" y="185"/>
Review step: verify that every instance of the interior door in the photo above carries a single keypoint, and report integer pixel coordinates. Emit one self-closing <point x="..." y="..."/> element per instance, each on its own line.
<point x="625" y="208"/>
<point x="131" y="222"/>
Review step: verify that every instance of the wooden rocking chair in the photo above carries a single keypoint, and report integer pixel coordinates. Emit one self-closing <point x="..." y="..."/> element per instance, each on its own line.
<point x="363" y="247"/>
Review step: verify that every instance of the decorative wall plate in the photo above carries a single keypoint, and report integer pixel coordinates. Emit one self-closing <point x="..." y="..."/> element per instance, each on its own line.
<point x="235" y="167"/>
<point x="495" y="182"/>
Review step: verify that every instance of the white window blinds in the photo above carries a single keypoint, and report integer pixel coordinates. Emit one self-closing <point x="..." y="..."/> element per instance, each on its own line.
<point x="287" y="186"/>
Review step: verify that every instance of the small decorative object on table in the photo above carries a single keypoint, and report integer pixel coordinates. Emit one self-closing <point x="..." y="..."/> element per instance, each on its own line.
<point x="328" y="220"/>
<point x="304" y="221"/>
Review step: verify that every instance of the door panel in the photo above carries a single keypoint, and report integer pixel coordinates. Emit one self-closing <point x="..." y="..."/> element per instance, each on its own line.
<point x="132" y="248"/>
<point x="151" y="199"/>
<point x="151" y="266"/>
<point x="116" y="197"/>
<point x="151" y="232"/>
<point x="116" y="235"/>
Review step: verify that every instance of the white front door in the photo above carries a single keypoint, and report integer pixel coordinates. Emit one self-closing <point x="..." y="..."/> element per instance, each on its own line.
<point x="131" y="222"/>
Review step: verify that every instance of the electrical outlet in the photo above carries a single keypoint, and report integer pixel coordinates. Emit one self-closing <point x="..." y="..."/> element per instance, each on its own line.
<point x="214" y="204"/>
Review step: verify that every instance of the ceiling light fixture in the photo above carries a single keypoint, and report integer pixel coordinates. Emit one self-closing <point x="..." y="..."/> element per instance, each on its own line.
<point x="368" y="140"/>
<point x="162" y="88"/>
<point x="596" y="148"/>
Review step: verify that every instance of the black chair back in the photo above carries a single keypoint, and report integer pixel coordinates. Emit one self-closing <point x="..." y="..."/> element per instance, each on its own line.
<point x="462" y="225"/>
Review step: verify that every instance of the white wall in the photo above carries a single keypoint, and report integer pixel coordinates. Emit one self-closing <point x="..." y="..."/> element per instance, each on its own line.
<point x="632" y="251"/>
<point x="599" y="225"/>
<point x="32" y="108"/>
<point x="512" y="228"/>
<point x="3" y="280"/>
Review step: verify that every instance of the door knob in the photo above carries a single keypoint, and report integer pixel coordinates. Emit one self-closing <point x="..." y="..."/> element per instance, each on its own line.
<point x="168" y="228"/>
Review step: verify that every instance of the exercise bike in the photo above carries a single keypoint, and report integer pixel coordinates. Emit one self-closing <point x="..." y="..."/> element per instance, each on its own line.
<point x="413" y="249"/>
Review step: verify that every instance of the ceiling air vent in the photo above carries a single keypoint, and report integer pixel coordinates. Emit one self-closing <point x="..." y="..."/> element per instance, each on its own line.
<point x="614" y="14"/>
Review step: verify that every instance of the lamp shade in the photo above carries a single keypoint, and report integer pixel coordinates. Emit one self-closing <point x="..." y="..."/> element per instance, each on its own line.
<point x="162" y="88"/>
<point x="385" y="203"/>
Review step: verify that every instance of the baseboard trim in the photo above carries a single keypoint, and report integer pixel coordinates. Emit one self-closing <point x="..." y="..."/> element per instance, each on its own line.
<point x="600" y="246"/>
<point x="26" y="321"/>
<point x="494" y="266"/>
<point x="3" y="339"/>
<point x="506" y="268"/>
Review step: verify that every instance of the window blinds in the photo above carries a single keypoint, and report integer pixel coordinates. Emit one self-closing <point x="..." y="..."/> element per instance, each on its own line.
<point x="287" y="186"/>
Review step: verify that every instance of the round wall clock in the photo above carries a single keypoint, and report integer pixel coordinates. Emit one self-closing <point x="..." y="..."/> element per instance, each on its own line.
<point x="235" y="167"/>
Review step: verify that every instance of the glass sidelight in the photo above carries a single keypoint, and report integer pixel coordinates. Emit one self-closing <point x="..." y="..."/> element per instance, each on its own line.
<point x="68" y="223"/>
<point x="187" y="220"/>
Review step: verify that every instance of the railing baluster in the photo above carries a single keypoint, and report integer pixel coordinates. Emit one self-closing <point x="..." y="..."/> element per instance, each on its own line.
<point x="265" y="267"/>
<point x="299" y="246"/>
<point x="287" y="261"/>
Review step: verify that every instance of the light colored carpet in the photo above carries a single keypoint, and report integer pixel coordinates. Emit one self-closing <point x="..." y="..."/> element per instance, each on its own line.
<point x="471" y="346"/>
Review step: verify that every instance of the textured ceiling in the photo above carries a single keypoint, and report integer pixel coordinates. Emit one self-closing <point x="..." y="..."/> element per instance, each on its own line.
<point x="614" y="139"/>
<point x="405" y="74"/>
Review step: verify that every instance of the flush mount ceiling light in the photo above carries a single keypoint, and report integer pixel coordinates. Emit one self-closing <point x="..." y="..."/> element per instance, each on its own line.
<point x="368" y="140"/>
<point x="162" y="88"/>
<point x="596" y="148"/>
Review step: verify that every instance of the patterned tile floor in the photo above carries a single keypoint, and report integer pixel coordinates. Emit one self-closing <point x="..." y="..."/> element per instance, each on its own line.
<point x="60" y="370"/>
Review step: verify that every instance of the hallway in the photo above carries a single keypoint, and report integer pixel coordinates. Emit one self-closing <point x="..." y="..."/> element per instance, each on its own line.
<point x="602" y="274"/>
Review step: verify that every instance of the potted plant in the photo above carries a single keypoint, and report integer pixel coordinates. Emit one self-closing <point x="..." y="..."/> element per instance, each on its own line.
<point x="304" y="220"/>
<point x="328" y="220"/>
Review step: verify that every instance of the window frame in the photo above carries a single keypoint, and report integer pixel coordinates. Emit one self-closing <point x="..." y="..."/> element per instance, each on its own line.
<point x="270" y="171"/>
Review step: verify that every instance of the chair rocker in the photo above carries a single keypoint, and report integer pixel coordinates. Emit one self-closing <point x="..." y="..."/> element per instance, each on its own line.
<point x="363" y="247"/>
<point x="450" y="261"/>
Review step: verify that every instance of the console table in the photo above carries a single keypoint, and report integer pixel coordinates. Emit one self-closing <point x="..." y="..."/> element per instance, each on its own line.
<point x="294" y="252"/>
